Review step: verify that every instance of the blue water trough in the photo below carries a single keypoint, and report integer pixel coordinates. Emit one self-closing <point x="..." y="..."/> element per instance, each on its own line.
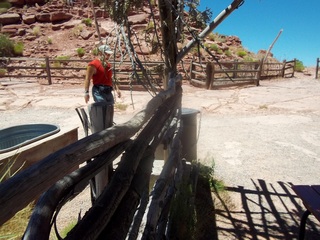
<point x="12" y="138"/>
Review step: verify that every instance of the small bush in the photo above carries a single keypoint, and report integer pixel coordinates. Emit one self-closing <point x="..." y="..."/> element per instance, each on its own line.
<point x="57" y="62"/>
<point x="5" y="5"/>
<point x="212" y="36"/>
<point x="241" y="53"/>
<point x="299" y="67"/>
<point x="228" y="53"/>
<point x="18" y="49"/>
<point x="80" y="52"/>
<point x="150" y="26"/>
<point x="3" y="72"/>
<point x="76" y="31"/>
<point x="36" y="31"/>
<point x="6" y="46"/>
<point x="95" y="51"/>
<point x="49" y="40"/>
<point x="87" y="22"/>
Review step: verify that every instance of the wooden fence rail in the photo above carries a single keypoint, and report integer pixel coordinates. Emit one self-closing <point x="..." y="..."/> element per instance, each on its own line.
<point x="113" y="212"/>
<point x="60" y="68"/>
<point x="214" y="75"/>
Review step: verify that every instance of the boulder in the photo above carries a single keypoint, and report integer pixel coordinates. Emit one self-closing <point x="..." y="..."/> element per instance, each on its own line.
<point x="28" y="19"/>
<point x="43" y="17"/>
<point x="85" y="34"/>
<point x="60" y="16"/>
<point x="10" y="18"/>
<point x="18" y="3"/>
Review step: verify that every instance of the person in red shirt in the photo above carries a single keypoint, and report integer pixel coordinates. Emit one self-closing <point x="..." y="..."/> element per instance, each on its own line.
<point x="100" y="72"/>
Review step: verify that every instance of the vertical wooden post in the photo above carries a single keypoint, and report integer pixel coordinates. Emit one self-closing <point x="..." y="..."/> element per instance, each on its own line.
<point x="317" y="68"/>
<point x="209" y="74"/>
<point x="259" y="73"/>
<point x="48" y="70"/>
<point x="283" y="68"/>
<point x="191" y="70"/>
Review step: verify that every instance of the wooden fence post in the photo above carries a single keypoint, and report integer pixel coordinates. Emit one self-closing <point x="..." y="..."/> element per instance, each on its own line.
<point x="209" y="74"/>
<point x="283" y="68"/>
<point x="192" y="67"/>
<point x="48" y="70"/>
<point x="317" y="68"/>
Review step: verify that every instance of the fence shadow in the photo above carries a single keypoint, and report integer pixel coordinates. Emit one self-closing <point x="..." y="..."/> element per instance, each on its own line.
<point x="267" y="211"/>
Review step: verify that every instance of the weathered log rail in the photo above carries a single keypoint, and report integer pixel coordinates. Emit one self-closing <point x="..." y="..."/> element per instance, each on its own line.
<point x="63" y="68"/>
<point x="214" y="75"/>
<point x="53" y="176"/>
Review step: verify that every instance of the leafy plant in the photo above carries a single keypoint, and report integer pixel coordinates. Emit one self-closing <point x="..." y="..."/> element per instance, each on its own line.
<point x="228" y="53"/>
<point x="18" y="49"/>
<point x="59" y="60"/>
<point x="77" y="30"/>
<point x="6" y="46"/>
<point x="241" y="53"/>
<point x="299" y="67"/>
<point x="87" y="22"/>
<point x="80" y="52"/>
<point x="36" y="31"/>
<point x="95" y="51"/>
<point x="49" y="40"/>
<point x="3" y="72"/>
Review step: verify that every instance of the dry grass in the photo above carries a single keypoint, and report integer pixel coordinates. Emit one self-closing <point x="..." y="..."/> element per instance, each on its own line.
<point x="15" y="227"/>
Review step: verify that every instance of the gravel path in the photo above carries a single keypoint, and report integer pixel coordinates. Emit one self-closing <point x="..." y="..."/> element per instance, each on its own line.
<point x="260" y="139"/>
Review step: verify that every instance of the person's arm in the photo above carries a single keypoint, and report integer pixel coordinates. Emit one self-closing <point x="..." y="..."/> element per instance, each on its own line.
<point x="90" y="71"/>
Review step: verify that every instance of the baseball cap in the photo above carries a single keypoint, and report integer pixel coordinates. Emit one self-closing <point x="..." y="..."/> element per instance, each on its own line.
<point x="105" y="49"/>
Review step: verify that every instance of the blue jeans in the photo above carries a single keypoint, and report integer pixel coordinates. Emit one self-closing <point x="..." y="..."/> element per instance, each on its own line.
<point x="102" y="93"/>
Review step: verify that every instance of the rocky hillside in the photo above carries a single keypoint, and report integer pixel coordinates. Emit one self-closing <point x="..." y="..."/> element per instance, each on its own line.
<point x="59" y="29"/>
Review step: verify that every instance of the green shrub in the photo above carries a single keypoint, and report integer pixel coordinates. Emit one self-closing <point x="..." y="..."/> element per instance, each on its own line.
<point x="77" y="30"/>
<point x="228" y="53"/>
<point x="214" y="47"/>
<point x="6" y="46"/>
<point x="57" y="62"/>
<point x="299" y="67"/>
<point x="5" y="5"/>
<point x="150" y="26"/>
<point x="241" y="53"/>
<point x="95" y="51"/>
<point x="3" y="72"/>
<point x="212" y="36"/>
<point x="87" y="22"/>
<point x="36" y="31"/>
<point x="49" y="40"/>
<point x="80" y="52"/>
<point x="18" y="49"/>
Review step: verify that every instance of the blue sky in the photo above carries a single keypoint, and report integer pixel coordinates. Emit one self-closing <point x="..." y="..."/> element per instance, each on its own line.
<point x="258" y="22"/>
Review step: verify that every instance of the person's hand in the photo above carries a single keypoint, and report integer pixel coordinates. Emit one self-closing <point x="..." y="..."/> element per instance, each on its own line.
<point x="86" y="98"/>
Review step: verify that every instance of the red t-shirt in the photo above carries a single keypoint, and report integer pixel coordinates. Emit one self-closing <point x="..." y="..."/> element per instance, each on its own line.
<point x="103" y="75"/>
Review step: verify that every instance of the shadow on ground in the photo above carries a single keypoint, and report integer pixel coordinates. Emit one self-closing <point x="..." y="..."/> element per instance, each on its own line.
<point x="267" y="211"/>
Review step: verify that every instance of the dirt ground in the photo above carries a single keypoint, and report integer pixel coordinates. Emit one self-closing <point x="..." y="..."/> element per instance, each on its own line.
<point x="261" y="140"/>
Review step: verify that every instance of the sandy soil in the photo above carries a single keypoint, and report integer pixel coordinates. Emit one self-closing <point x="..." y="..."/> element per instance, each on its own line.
<point x="261" y="140"/>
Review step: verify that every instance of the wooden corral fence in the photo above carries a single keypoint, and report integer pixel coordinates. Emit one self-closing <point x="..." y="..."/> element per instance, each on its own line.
<point x="317" y="68"/>
<point x="117" y="212"/>
<point x="64" y="68"/>
<point x="215" y="75"/>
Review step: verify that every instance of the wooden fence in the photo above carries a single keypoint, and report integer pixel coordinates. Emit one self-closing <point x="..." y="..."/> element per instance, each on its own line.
<point x="214" y="75"/>
<point x="128" y="191"/>
<point x="61" y="68"/>
<point x="317" y="68"/>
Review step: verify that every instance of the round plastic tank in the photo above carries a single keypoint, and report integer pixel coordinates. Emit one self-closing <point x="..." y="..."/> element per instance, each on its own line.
<point x="188" y="138"/>
<point x="189" y="133"/>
